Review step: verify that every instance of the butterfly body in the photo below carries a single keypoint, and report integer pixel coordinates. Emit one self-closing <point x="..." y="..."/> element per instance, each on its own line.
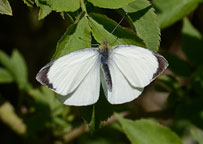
<point x="126" y="70"/>
<point x="104" y="57"/>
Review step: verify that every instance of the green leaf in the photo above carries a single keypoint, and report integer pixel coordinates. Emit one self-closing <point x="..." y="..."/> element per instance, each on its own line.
<point x="16" y="67"/>
<point x="192" y="43"/>
<point x="76" y="37"/>
<point x="147" y="132"/>
<point x="173" y="10"/>
<point x="46" y="96"/>
<point x="5" y="76"/>
<point x="9" y="117"/>
<point x="144" y="22"/>
<point x="6" y="61"/>
<point x="29" y="3"/>
<point x="5" y="7"/>
<point x="103" y="110"/>
<point x="124" y="35"/>
<point x="68" y="17"/>
<point x="19" y="70"/>
<point x="64" y="5"/>
<point x="197" y="134"/>
<point x="48" y="112"/>
<point x="44" y="9"/>
<point x="99" y="32"/>
<point x="41" y="113"/>
<point x="178" y="66"/>
<point x="189" y="29"/>
<point x="113" y="4"/>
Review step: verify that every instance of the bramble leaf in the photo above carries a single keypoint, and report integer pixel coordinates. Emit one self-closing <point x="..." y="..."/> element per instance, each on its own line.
<point x="76" y="37"/>
<point x="124" y="35"/>
<point x="144" y="21"/>
<point x="44" y="9"/>
<point x="113" y="4"/>
<point x="100" y="31"/>
<point x="147" y="132"/>
<point x="64" y="5"/>
<point x="5" y="7"/>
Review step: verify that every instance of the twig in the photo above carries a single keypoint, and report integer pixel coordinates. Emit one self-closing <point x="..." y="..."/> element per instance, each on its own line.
<point x="75" y="133"/>
<point x="84" y="128"/>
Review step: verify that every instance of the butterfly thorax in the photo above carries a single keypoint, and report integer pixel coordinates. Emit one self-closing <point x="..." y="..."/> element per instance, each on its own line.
<point x="104" y="46"/>
<point x="104" y="51"/>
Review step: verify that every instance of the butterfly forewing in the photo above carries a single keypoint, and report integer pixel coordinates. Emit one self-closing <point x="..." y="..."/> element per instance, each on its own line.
<point x="65" y="74"/>
<point x="138" y="65"/>
<point x="88" y="90"/>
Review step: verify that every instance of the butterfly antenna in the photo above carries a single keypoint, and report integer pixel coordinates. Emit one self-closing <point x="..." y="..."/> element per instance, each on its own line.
<point x="118" y="23"/>
<point x="117" y="26"/>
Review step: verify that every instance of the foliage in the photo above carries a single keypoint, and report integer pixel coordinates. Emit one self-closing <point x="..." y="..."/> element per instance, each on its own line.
<point x="144" y="21"/>
<point x="5" y="7"/>
<point x="174" y="10"/>
<point x="30" y="113"/>
<point x="146" y="131"/>
<point x="197" y="134"/>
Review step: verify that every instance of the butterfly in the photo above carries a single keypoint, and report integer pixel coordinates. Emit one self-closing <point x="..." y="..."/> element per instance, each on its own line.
<point x="123" y="70"/>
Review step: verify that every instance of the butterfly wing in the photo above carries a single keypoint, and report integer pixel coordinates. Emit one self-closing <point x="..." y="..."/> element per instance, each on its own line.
<point x="140" y="66"/>
<point x="132" y="68"/>
<point x="75" y="76"/>
<point x="87" y="92"/>
<point x="121" y="90"/>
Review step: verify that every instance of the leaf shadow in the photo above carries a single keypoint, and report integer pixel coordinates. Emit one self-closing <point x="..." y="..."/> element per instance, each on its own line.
<point x="138" y="14"/>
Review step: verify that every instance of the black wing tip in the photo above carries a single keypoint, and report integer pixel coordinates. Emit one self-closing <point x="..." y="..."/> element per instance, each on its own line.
<point x="42" y="76"/>
<point x="163" y="64"/>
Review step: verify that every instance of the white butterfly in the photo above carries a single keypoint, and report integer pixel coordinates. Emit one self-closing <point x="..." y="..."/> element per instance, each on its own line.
<point x="126" y="70"/>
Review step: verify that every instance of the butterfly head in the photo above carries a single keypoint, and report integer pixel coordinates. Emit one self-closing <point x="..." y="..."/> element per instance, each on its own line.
<point x="104" y="45"/>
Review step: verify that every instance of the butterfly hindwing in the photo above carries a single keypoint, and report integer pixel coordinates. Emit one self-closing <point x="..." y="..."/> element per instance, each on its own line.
<point x="121" y="92"/>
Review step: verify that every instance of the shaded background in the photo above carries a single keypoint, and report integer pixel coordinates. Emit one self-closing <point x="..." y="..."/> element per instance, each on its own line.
<point x="175" y="100"/>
